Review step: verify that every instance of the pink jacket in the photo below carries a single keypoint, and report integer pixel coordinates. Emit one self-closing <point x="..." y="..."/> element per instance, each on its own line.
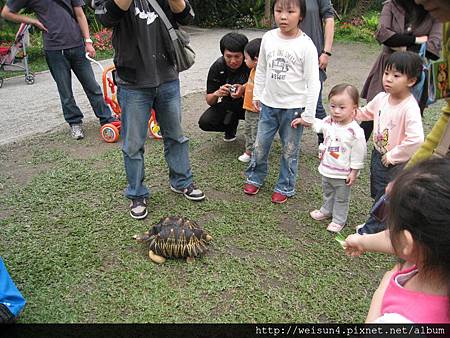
<point x="397" y="130"/>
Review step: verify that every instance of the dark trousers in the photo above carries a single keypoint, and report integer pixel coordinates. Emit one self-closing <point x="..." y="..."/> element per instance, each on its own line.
<point x="60" y="63"/>
<point x="223" y="116"/>
<point x="320" y="112"/>
<point x="380" y="176"/>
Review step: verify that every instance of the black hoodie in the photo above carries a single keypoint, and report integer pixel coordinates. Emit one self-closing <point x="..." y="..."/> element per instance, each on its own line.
<point x="144" y="53"/>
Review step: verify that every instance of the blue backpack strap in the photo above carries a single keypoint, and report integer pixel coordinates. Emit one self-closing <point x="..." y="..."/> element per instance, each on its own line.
<point x="11" y="300"/>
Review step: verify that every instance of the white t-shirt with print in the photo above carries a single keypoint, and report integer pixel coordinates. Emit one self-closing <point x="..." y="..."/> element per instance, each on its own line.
<point x="287" y="75"/>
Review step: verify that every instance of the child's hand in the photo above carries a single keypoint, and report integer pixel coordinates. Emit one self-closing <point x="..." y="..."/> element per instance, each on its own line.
<point x="385" y="161"/>
<point x="353" y="246"/>
<point x="257" y="105"/>
<point x="299" y="120"/>
<point x="351" y="178"/>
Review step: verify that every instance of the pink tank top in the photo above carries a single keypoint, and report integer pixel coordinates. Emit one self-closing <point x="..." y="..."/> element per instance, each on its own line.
<point x="416" y="306"/>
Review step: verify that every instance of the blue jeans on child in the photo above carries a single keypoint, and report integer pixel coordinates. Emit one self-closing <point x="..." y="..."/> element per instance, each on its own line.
<point x="60" y="63"/>
<point x="136" y="105"/>
<point x="272" y="120"/>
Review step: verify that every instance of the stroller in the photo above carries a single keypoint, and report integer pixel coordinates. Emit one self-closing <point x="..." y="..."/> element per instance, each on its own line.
<point x="110" y="132"/>
<point x="15" y="58"/>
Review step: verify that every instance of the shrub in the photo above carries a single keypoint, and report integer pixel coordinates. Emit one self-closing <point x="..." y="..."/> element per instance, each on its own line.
<point x="232" y="13"/>
<point x="357" y="28"/>
<point x="102" y="40"/>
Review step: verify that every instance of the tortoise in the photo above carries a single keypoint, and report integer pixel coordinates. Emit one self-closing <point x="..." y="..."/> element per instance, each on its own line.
<point x="175" y="237"/>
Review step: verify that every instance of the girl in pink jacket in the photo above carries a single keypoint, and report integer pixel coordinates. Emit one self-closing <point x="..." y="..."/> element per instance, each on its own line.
<point x="398" y="130"/>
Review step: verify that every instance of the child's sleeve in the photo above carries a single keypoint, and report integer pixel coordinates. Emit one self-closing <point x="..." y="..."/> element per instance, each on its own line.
<point x="311" y="73"/>
<point x="367" y="112"/>
<point x="261" y="68"/>
<point x="413" y="137"/>
<point x="318" y="125"/>
<point x="358" y="151"/>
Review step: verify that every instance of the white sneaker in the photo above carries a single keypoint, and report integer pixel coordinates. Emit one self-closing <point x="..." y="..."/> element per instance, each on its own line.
<point x="244" y="158"/>
<point x="77" y="131"/>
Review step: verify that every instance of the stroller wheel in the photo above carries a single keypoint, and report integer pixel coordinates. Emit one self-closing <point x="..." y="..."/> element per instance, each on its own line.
<point x="29" y="79"/>
<point x="110" y="133"/>
<point x="1" y="82"/>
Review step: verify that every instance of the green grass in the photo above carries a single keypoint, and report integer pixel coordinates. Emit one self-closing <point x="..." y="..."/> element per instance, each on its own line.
<point x="66" y="237"/>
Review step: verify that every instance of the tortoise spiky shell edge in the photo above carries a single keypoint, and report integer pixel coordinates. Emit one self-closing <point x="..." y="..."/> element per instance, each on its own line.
<point x="175" y="237"/>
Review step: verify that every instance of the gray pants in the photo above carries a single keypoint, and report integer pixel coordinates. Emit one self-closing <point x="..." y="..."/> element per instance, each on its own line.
<point x="336" y="199"/>
<point x="250" y="130"/>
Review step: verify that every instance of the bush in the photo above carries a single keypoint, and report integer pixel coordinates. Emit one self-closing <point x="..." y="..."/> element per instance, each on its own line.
<point x="232" y="13"/>
<point x="102" y="40"/>
<point x="357" y="29"/>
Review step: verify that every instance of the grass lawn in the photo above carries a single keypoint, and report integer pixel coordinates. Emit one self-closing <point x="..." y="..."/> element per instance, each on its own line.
<point x="66" y="237"/>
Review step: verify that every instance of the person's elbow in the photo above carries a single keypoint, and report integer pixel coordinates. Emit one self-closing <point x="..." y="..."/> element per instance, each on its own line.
<point x="79" y="13"/>
<point x="6" y="12"/>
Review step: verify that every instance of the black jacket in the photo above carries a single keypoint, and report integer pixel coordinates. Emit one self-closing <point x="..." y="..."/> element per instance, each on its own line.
<point x="141" y="41"/>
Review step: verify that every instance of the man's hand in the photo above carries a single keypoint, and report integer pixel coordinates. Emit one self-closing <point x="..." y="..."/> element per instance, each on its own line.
<point x="238" y="92"/>
<point x="38" y="24"/>
<point x="323" y="61"/>
<point x="223" y="90"/>
<point x="90" y="49"/>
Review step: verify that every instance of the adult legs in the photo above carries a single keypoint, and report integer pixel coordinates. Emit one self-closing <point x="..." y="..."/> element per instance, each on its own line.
<point x="223" y="116"/>
<point x="136" y="106"/>
<point x="176" y="145"/>
<point x="83" y="71"/>
<point x="59" y="66"/>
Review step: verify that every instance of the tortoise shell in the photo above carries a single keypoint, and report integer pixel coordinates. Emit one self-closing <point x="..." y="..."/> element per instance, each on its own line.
<point x="176" y="237"/>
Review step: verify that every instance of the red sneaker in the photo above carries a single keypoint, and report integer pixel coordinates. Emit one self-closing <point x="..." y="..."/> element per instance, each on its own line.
<point x="250" y="189"/>
<point x="278" y="198"/>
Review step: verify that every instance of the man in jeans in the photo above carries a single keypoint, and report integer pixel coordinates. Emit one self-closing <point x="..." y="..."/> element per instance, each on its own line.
<point x="147" y="78"/>
<point x="66" y="40"/>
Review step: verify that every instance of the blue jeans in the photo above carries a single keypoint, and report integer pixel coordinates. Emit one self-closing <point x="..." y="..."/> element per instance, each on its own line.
<point x="272" y="120"/>
<point x="60" y="63"/>
<point x="136" y="105"/>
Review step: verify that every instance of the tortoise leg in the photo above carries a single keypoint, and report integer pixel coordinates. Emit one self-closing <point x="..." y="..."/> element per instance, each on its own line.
<point x="190" y="259"/>
<point x="155" y="258"/>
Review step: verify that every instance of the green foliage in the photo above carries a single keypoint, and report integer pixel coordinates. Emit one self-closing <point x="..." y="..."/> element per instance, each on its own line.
<point x="94" y="25"/>
<point x="357" y="29"/>
<point x="233" y="13"/>
<point x="371" y="20"/>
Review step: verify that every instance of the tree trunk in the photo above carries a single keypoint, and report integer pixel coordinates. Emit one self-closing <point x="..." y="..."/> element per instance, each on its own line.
<point x="267" y="10"/>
